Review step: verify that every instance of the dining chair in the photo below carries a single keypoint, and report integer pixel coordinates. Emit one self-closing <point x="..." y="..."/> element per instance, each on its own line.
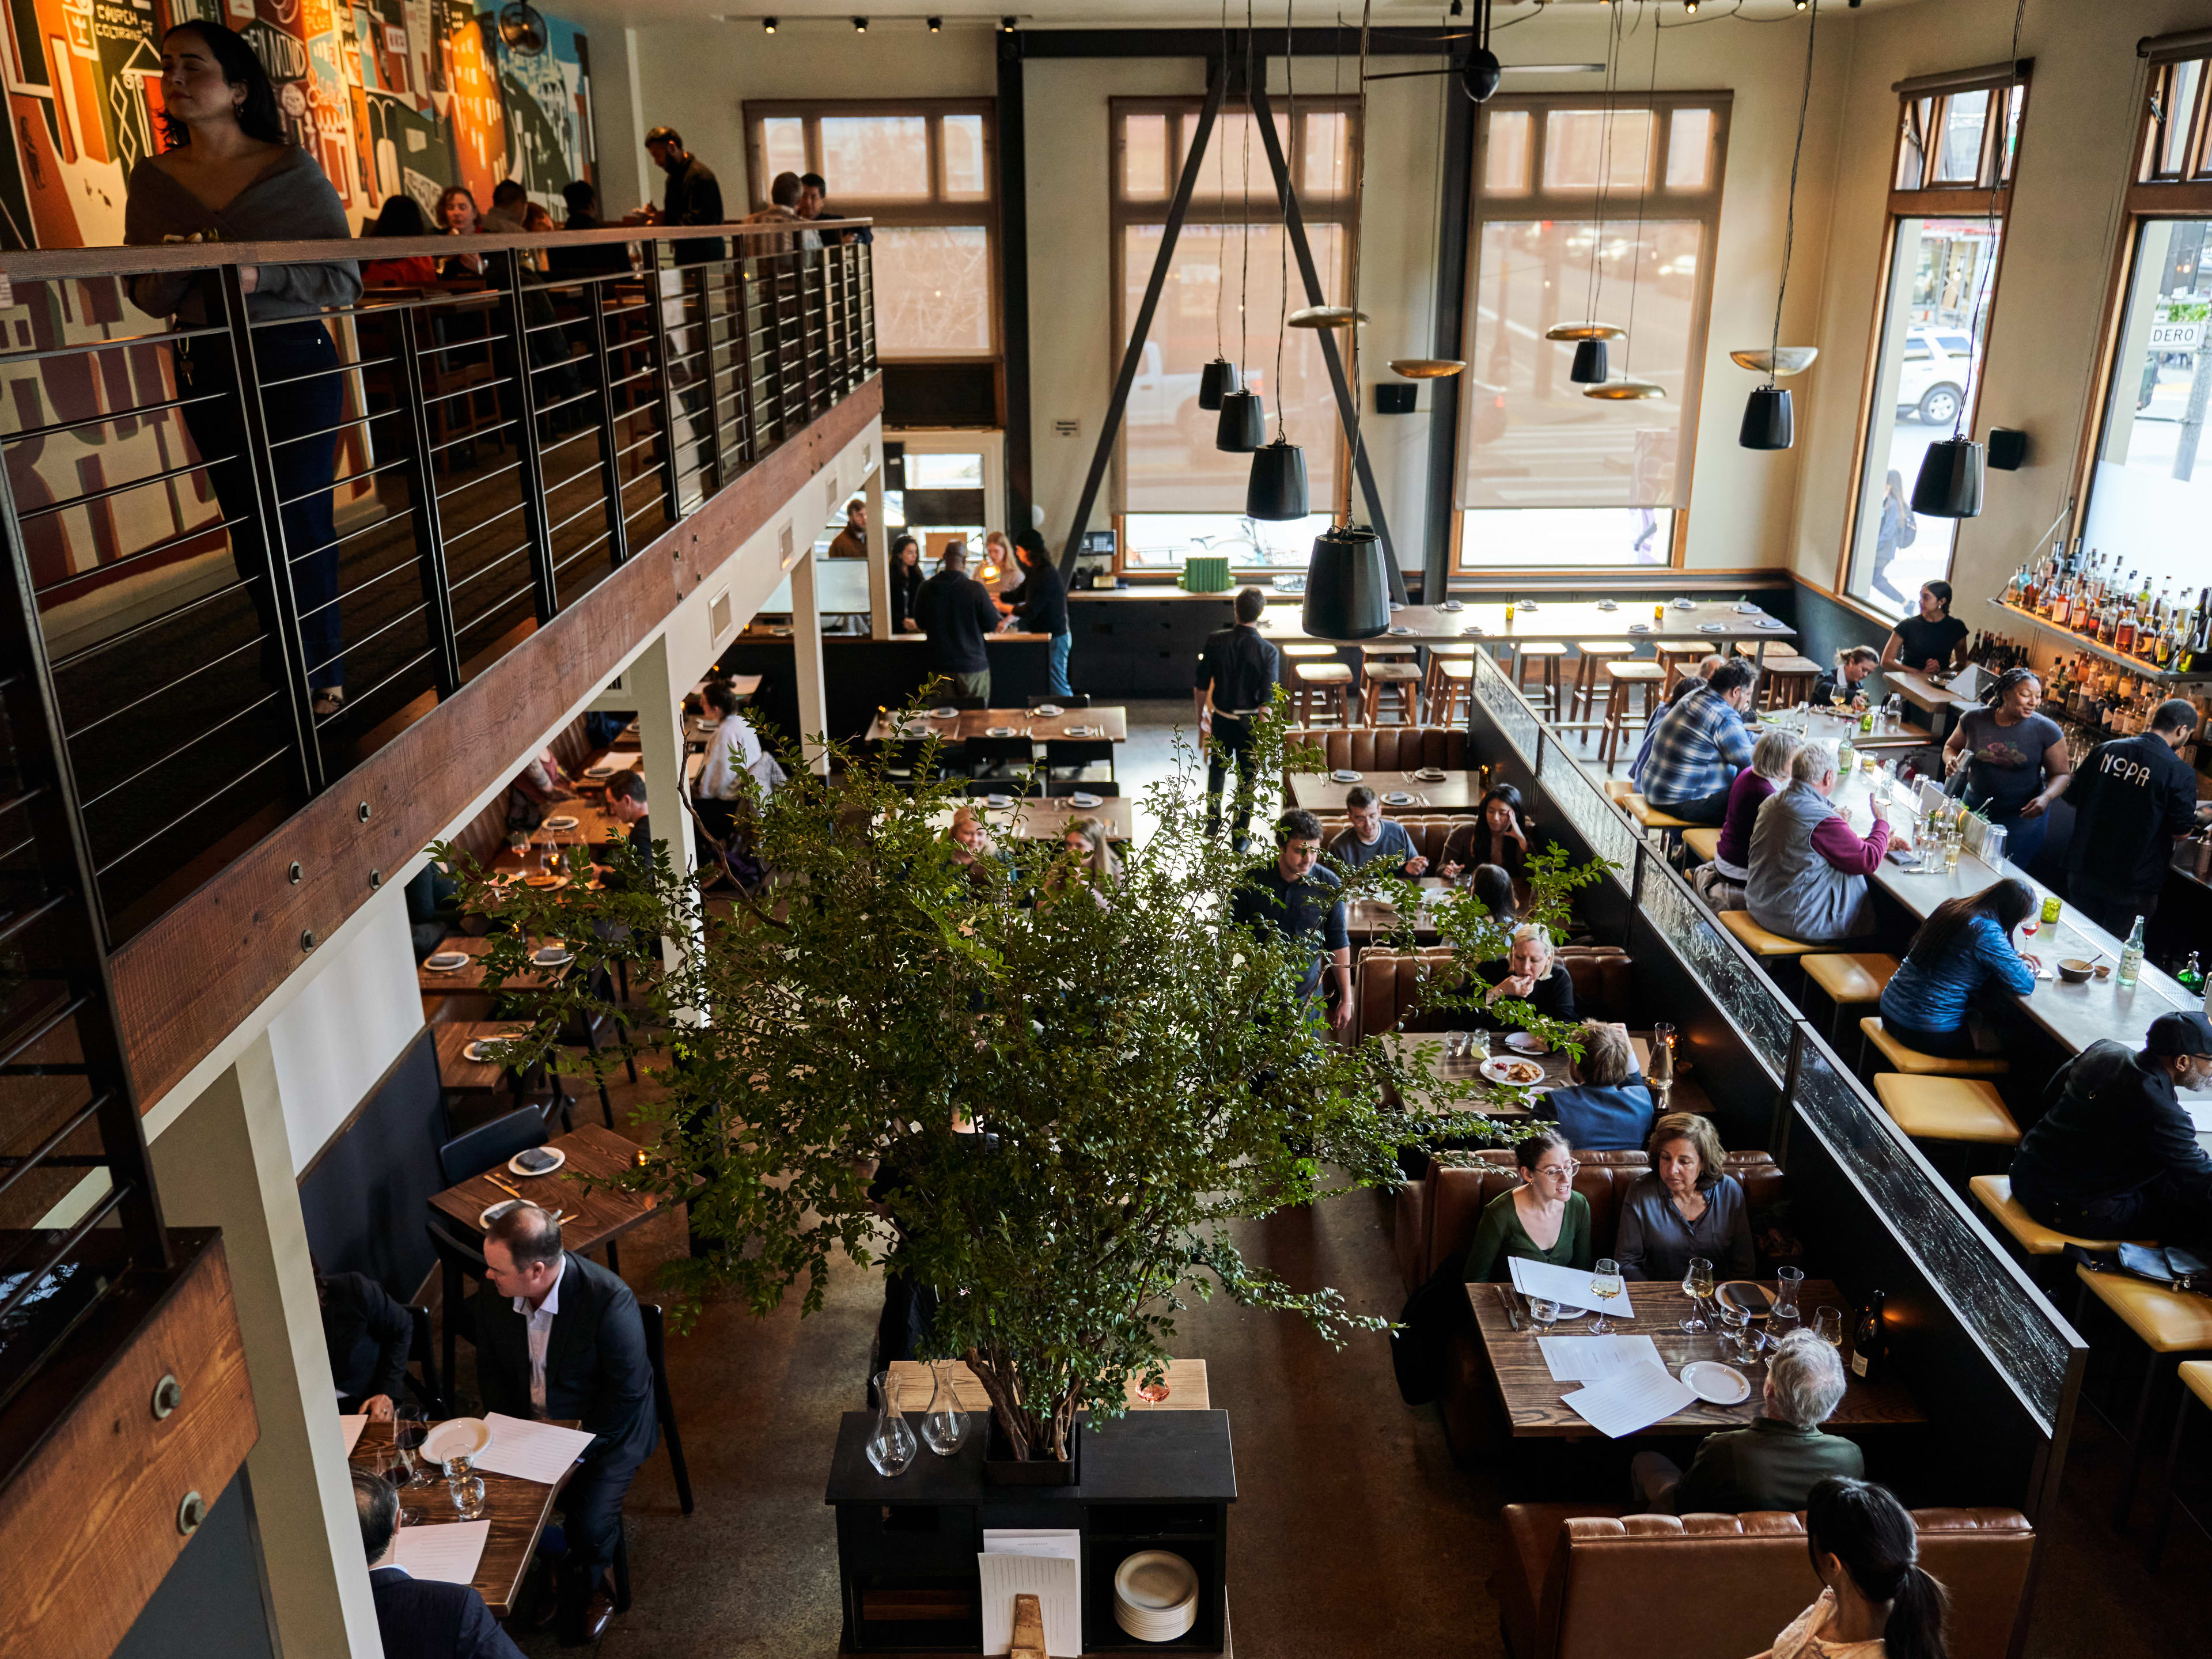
<point x="460" y="1260"/>
<point x="422" y="1350"/>
<point x="490" y="1145"/>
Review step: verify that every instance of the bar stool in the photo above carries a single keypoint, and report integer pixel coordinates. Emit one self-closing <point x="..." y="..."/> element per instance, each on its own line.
<point x="1758" y="940"/>
<point x="1650" y="817"/>
<point x="2195" y="1377"/>
<point x="1786" y="680"/>
<point x="1994" y="1193"/>
<point x="1673" y="658"/>
<point x="2170" y="1323"/>
<point x="1400" y="681"/>
<point x="1850" y="979"/>
<point x="1550" y="655"/>
<point x="1913" y="1063"/>
<point x="1432" y="682"/>
<point x="1963" y="1108"/>
<point x="1455" y="693"/>
<point x="1644" y="678"/>
<point x="1705" y="844"/>
<point x="1331" y="682"/>
<point x="1314" y="650"/>
<point x="1592" y="653"/>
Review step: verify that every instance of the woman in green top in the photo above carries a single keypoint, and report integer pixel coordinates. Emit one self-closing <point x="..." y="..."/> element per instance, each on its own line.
<point x="1543" y="1219"/>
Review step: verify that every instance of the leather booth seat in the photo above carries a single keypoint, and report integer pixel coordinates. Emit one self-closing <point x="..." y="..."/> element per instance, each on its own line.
<point x="1428" y="832"/>
<point x="1389" y="985"/>
<point x="1582" y="1581"/>
<point x="484" y="834"/>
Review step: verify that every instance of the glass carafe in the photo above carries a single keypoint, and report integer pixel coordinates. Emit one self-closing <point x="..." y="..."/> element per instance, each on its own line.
<point x="1786" y="1316"/>
<point x="890" y="1443"/>
<point x="944" y="1426"/>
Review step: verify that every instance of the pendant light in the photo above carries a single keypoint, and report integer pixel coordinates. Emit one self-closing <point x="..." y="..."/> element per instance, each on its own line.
<point x="1276" y="490"/>
<point x="1628" y="388"/>
<point x="1438" y="369"/>
<point x="1589" y="338"/>
<point x="1325" y="317"/>
<point x="1216" y="380"/>
<point x="1242" y="427"/>
<point x="1768" y="420"/>
<point x="1949" y="483"/>
<point x="1219" y="378"/>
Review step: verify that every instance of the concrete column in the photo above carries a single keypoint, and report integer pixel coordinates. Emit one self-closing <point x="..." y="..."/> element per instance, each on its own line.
<point x="806" y="653"/>
<point x="226" y="1162"/>
<point x="879" y="557"/>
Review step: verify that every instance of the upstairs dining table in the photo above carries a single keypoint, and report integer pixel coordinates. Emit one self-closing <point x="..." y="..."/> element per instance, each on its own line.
<point x="517" y="1509"/>
<point x="1629" y="622"/>
<point x="1108" y="723"/>
<point x="1040" y="817"/>
<point x="1323" y="792"/>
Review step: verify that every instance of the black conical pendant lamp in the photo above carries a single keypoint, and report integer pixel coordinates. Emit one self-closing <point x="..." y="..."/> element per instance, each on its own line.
<point x="1216" y="382"/>
<point x="1481" y="74"/>
<point x="1950" y="481"/>
<point x="1590" y="363"/>
<point x="1277" y="488"/>
<point x="1347" y="588"/>
<point x="1766" y="420"/>
<point x="1242" y="427"/>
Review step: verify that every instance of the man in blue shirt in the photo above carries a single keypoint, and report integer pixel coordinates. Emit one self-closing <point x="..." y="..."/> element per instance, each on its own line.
<point x="1702" y="743"/>
<point x="1373" y="838"/>
<point x="1705" y="668"/>
<point x="1608" y="1107"/>
<point x="1303" y="902"/>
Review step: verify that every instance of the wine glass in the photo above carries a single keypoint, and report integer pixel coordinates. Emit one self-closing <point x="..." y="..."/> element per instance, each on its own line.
<point x="1606" y="1284"/>
<point x="1697" y="1285"/>
<point x="1828" y="1326"/>
<point x="409" y="1431"/>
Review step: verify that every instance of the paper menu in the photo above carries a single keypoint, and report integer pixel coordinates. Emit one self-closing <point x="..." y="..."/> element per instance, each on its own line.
<point x="530" y="1451"/>
<point x="1044" y="1562"/>
<point x="1630" y="1400"/>
<point x="350" y="1426"/>
<point x="1592" y="1358"/>
<point x="448" y="1551"/>
<point x="1568" y="1284"/>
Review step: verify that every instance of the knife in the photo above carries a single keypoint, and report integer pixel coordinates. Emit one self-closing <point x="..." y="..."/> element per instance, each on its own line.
<point x="1512" y="1313"/>
<point x="503" y="1186"/>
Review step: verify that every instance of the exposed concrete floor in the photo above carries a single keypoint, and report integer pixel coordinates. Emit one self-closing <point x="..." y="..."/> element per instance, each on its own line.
<point x="1356" y="1532"/>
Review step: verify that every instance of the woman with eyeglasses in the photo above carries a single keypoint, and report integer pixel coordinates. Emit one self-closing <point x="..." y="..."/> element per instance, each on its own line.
<point x="1543" y="1219"/>
<point x="1688" y="1206"/>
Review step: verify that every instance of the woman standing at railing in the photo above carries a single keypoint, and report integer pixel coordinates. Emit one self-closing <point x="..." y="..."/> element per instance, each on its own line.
<point x="229" y="175"/>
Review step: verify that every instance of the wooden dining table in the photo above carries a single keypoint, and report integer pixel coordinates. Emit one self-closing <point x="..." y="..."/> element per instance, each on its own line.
<point x="1457" y="1083"/>
<point x="1323" y="792"/>
<point x="912" y="1384"/>
<point x="452" y="1040"/>
<point x="517" y="1509"/>
<point x="1105" y="723"/>
<point x="1041" y="817"/>
<point x="469" y="977"/>
<point x="590" y="1218"/>
<point x="1559" y="621"/>
<point x="1532" y="1396"/>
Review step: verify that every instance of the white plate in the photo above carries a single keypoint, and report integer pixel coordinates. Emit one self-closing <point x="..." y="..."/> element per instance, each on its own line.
<point x="1717" y="1384"/>
<point x="551" y="957"/>
<point x="998" y="803"/>
<point x="1154" y="1586"/>
<point x="1526" y="1043"/>
<point x="1085" y="800"/>
<point x="946" y="713"/>
<point x="1747" y="610"/>
<point x="1771" y="624"/>
<point x="1606" y="604"/>
<point x="1530" y="604"/>
<point x="1083" y="731"/>
<point x="516" y="1166"/>
<point x="1344" y="775"/>
<point x="1639" y="627"/>
<point x="1711" y="627"/>
<point x="1047" y="709"/>
<point x="1472" y="628"/>
<point x="487" y="1051"/>
<point x="1400" y="630"/>
<point x="1431" y="774"/>
<point x="1496" y="1071"/>
<point x="484" y="1221"/>
<point x="459" y="1437"/>
<point x="1398" y="798"/>
<point x="444" y="962"/>
<point x="1682" y="604"/>
<point x="1396" y="604"/>
<point x="1450" y="605"/>
<point x="1000" y="731"/>
<point x="566" y="821"/>
<point x="602" y="771"/>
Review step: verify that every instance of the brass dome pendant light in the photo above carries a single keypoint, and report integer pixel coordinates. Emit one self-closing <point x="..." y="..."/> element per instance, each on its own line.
<point x="1276" y="490"/>
<point x="1438" y="368"/>
<point x="1242" y="427"/>
<point x="1768" y="420"/>
<point x="1219" y="378"/>
<point x="1628" y="388"/>
<point x="1347" y="583"/>
<point x="1589" y="339"/>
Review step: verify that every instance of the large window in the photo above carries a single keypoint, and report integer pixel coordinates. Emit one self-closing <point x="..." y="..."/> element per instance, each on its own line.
<point x="1957" y="140"/>
<point x="2150" y="481"/>
<point x="924" y="172"/>
<point x="1580" y="217"/>
<point x="1223" y="261"/>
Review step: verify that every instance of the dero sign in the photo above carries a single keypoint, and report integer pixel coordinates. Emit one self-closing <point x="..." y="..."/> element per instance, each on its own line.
<point x="2176" y="336"/>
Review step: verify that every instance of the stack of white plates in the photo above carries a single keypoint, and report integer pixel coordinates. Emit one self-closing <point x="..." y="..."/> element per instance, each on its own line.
<point x="1156" y="1596"/>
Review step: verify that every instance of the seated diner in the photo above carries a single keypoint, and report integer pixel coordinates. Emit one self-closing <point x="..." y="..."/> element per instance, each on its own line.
<point x="1723" y="881"/>
<point x="1700" y="745"/>
<point x="1543" y="1219"/>
<point x="1606" y="1107"/>
<point x="1499" y="836"/>
<point x="1687" y="1205"/>
<point x="1934" y="1003"/>
<point x="1373" y="839"/>
<point x="1846" y="682"/>
<point x="1530" y="973"/>
<point x="1776" y="1462"/>
<point x="1809" y="867"/>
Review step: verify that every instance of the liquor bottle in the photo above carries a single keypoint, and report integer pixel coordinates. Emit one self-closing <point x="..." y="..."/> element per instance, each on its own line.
<point x="2131" y="955"/>
<point x="2123" y="632"/>
<point x="1870" y="1343"/>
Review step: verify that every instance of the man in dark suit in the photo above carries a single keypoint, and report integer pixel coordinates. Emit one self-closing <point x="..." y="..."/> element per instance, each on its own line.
<point x="419" y="1618"/>
<point x="367" y="1335"/>
<point x="559" y="1337"/>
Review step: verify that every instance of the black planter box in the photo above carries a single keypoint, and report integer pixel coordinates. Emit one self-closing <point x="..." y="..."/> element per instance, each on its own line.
<point x="907" y="1544"/>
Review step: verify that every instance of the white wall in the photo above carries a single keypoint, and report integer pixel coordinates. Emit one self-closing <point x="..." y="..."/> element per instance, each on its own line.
<point x="334" y="1040"/>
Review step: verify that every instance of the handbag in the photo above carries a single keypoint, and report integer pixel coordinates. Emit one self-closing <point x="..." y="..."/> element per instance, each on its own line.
<point x="2169" y="1266"/>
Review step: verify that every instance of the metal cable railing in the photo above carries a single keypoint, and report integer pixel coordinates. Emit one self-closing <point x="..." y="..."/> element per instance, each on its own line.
<point x="402" y="491"/>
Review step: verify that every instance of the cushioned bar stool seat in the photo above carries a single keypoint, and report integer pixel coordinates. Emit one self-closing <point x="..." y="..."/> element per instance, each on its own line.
<point x="1454" y="691"/>
<point x="1547" y="655"/>
<point x="1913" y="1063"/>
<point x="1653" y="817"/>
<point x="1758" y="940"/>
<point x="1590" y="654"/>
<point x="1994" y="1193"/>
<point x="2196" y="1376"/>
<point x="1330" y="682"/>
<point x="1398" y="680"/>
<point x="1311" y="648"/>
<point x="2169" y="1323"/>
<point x="1850" y="977"/>
<point x="1622" y="677"/>
<point x="1703" y="841"/>
<point x="1946" y="1108"/>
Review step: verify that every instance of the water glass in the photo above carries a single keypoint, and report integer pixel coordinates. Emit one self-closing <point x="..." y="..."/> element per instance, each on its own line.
<point x="1606" y="1282"/>
<point x="1736" y="1322"/>
<point x="466" y="1488"/>
<point x="1545" y="1313"/>
<point x="1828" y="1326"/>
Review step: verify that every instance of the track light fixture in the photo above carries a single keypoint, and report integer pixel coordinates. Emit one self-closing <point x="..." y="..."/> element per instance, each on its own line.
<point x="767" y="26"/>
<point x="859" y="26"/>
<point x="1006" y="24"/>
<point x="936" y="25"/>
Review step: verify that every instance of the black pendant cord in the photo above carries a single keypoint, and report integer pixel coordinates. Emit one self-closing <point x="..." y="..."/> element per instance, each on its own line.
<point x="1221" y="212"/>
<point x="1643" y="186"/>
<point x="1789" y="218"/>
<point x="1359" y="216"/>
<point x="1997" y="172"/>
<point x="1244" y="229"/>
<point x="1593" y="286"/>
<point x="1296" y="148"/>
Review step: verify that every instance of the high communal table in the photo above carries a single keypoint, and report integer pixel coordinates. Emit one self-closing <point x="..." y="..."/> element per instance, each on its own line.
<point x="1532" y="1395"/>
<point x="1630" y="623"/>
<point x="517" y="1509"/>
<point x="1321" y="792"/>
<point x="589" y="1218"/>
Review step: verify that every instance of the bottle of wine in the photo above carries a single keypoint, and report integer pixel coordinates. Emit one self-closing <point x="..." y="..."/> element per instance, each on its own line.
<point x="1870" y="1343"/>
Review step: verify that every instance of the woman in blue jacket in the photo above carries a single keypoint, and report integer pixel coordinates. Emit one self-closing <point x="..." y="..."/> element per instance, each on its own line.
<point x="1964" y="945"/>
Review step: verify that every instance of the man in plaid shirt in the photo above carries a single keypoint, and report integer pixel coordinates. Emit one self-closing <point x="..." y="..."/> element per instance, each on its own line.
<point x="1700" y="745"/>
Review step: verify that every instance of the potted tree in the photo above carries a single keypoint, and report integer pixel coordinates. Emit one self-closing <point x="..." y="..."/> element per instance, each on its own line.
<point x="1064" y="1089"/>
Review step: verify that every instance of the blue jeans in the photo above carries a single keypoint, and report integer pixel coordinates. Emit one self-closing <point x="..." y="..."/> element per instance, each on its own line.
<point x="1058" y="684"/>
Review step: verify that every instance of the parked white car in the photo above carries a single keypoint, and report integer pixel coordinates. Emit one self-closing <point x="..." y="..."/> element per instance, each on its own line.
<point x="1936" y="375"/>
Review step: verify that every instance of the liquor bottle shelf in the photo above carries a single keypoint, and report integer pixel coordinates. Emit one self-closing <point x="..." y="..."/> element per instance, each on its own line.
<point x="2135" y="666"/>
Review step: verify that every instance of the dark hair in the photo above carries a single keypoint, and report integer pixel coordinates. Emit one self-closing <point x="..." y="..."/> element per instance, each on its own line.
<point x="532" y="1234"/>
<point x="1360" y="795"/>
<point x="508" y="189"/>
<point x="626" y="785"/>
<point x="1510" y="796"/>
<point x="721" y="696"/>
<point x="900" y="542"/>
<point x="579" y="196"/>
<point x="1531" y="1149"/>
<point x="1297" y="825"/>
<point x="816" y="180"/>
<point x="2005" y="684"/>
<point x="1733" y="675"/>
<point x="955" y="556"/>
<point x="1250" y="602"/>
<point x="1031" y="542"/>
<point x="664" y="136"/>
<point x="258" y="116"/>
<point x="400" y="215"/>
<point x="447" y="195"/>
<point x="1494" y="886"/>
<point x="1865" y="1527"/>
<point x="2174" y="715"/>
<point x="783" y="189"/>
<point x="2007" y="902"/>
<point x="1851" y="653"/>
<point x="376" y="1506"/>
<point x="1942" y="590"/>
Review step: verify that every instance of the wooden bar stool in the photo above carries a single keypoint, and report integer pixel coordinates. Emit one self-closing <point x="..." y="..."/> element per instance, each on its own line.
<point x="1550" y="655"/>
<point x="1994" y="1193"/>
<point x="1331" y="682"/>
<point x="1704" y="842"/>
<point x="1432" y="681"/>
<point x="1455" y="693"/>
<point x="1767" y="946"/>
<point x="1621" y="677"/>
<point x="1946" y="1108"/>
<point x="2195" y="1377"/>
<point x="1591" y="652"/>
<point x="1913" y="1063"/>
<point x="1850" y="979"/>
<point x="1401" y="682"/>
<point x="1650" y="817"/>
<point x="2171" y="1324"/>
<point x="1678" y="659"/>
<point x="1786" y="680"/>
<point x="1313" y="650"/>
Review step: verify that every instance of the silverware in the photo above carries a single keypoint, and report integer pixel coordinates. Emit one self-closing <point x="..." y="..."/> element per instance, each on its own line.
<point x="510" y="1191"/>
<point x="1512" y="1313"/>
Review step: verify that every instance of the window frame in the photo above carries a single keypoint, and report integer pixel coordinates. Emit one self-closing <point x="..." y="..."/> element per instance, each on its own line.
<point x="1989" y="197"/>
<point x="937" y="210"/>
<point x="1122" y="212"/>
<point x="1538" y="202"/>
